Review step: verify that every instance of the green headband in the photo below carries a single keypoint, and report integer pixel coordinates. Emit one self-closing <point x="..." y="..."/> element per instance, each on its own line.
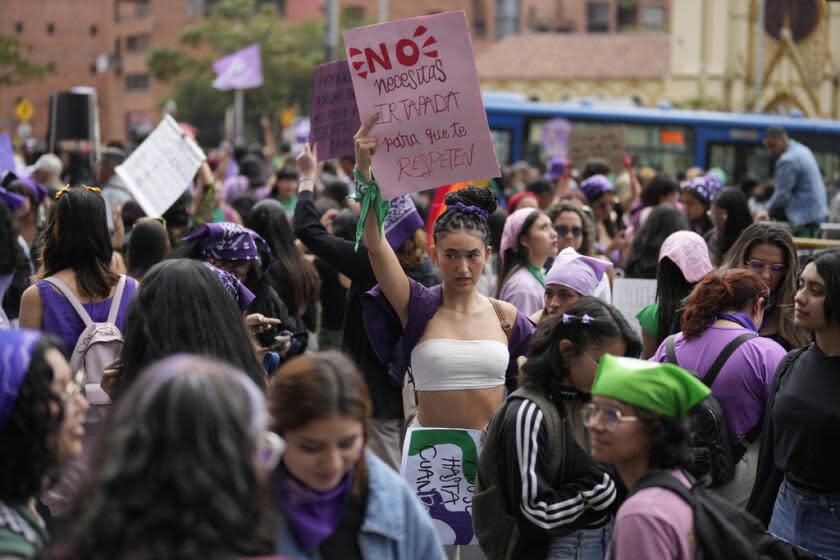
<point x="662" y="388"/>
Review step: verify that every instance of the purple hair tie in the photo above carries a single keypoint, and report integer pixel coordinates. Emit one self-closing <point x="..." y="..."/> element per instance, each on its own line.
<point x="469" y="209"/>
<point x="585" y="318"/>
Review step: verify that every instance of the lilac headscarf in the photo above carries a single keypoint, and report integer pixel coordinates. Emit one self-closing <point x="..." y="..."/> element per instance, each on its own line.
<point x="513" y="227"/>
<point x="16" y="348"/>
<point x="227" y="241"/>
<point x="595" y="186"/>
<point x="12" y="200"/>
<point x="706" y="187"/>
<point x="401" y="221"/>
<point x="38" y="190"/>
<point x="577" y="272"/>
<point x="689" y="252"/>
<point x="240" y="293"/>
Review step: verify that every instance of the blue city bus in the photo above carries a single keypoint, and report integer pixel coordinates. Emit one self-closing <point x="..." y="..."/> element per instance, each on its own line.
<point x="666" y="139"/>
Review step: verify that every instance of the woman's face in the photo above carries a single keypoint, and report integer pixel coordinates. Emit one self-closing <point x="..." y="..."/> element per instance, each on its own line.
<point x="68" y="442"/>
<point x="540" y="240"/>
<point x="559" y="298"/>
<point x="569" y="228"/>
<point x="460" y="256"/>
<point x="584" y="363"/>
<point x="601" y="206"/>
<point x="627" y="442"/>
<point x="692" y="206"/>
<point x="809" y="302"/>
<point x="763" y="259"/>
<point x="719" y="216"/>
<point x="320" y="453"/>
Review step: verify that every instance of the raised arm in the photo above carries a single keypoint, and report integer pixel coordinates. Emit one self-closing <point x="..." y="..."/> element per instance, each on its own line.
<point x="392" y="279"/>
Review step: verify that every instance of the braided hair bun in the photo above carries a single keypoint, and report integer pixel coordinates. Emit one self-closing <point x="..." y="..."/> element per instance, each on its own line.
<point x="457" y="217"/>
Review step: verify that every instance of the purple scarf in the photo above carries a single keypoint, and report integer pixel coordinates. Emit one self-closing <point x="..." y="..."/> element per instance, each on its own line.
<point x="741" y="318"/>
<point x="227" y="241"/>
<point x="16" y="348"/>
<point x="312" y="515"/>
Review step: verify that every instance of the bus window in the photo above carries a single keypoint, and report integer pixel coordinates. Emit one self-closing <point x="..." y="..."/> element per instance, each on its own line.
<point x="723" y="156"/>
<point x="502" y="140"/>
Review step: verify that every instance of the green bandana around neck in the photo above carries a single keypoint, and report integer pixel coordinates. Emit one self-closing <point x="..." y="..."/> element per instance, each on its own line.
<point x="538" y="272"/>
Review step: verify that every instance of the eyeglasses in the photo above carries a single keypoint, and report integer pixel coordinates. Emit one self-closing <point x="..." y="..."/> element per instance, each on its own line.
<point x="611" y="417"/>
<point x="270" y="448"/>
<point x="74" y="387"/>
<point x="563" y="231"/>
<point x="777" y="270"/>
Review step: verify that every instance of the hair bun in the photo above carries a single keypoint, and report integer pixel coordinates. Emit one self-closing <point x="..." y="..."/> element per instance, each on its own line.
<point x="473" y="195"/>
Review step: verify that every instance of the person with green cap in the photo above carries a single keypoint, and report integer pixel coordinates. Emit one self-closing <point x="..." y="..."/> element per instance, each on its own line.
<point x="637" y="422"/>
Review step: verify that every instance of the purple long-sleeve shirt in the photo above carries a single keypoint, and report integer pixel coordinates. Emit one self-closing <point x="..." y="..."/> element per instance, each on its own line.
<point x="744" y="382"/>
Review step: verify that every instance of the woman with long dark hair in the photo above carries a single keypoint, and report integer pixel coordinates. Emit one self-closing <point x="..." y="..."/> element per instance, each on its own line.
<point x="800" y="439"/>
<point x="730" y="214"/>
<point x="336" y="499"/>
<point x="609" y="235"/>
<point x="683" y="260"/>
<point x="12" y="265"/>
<point x="41" y="425"/>
<point x="182" y="470"/>
<point x="568" y="517"/>
<point x="767" y="248"/>
<point x="723" y="311"/>
<point x="643" y="255"/>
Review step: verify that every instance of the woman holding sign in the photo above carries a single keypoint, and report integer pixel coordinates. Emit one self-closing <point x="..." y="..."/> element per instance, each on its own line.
<point x="461" y="346"/>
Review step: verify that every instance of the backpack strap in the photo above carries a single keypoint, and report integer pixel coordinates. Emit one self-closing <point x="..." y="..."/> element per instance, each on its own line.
<point x="661" y="479"/>
<point x="730" y="348"/>
<point x="503" y="320"/>
<point x="115" y="302"/>
<point x="71" y="297"/>
<point x="671" y="350"/>
<point x="555" y="428"/>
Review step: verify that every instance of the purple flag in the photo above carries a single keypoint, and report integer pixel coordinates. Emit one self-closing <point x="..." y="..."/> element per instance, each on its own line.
<point x="7" y="153"/>
<point x="240" y="70"/>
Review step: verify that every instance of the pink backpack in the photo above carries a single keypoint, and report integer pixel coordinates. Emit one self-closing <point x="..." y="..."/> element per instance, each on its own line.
<point x="97" y="346"/>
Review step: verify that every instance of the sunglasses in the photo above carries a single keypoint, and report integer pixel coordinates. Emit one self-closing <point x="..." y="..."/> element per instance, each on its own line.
<point x="777" y="270"/>
<point x="563" y="231"/>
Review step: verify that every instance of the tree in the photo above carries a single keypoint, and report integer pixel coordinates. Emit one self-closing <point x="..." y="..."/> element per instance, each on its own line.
<point x="15" y="68"/>
<point x="289" y="55"/>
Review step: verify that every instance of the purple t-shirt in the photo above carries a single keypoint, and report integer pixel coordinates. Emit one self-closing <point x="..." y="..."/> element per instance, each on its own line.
<point x="654" y="523"/>
<point x="744" y="382"/>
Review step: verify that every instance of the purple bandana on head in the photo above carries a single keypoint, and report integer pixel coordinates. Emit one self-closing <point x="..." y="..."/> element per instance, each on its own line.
<point x="706" y="187"/>
<point x="234" y="287"/>
<point x="12" y="200"/>
<point x="15" y="354"/>
<point x="227" y="241"/>
<point x="595" y="186"/>
<point x="38" y="190"/>
<point x="401" y="221"/>
<point x="577" y="272"/>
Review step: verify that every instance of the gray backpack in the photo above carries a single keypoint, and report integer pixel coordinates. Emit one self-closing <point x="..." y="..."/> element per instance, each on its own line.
<point x="493" y="522"/>
<point x="97" y="346"/>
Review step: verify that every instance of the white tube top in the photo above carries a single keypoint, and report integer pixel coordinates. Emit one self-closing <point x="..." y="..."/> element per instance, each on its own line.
<point x="445" y="364"/>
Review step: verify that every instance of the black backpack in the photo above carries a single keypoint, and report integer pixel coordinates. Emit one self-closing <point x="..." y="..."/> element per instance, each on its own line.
<point x="721" y="530"/>
<point x="494" y="526"/>
<point x="715" y="454"/>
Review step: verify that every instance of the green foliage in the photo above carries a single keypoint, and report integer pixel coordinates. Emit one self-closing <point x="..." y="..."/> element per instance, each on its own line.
<point x="15" y="68"/>
<point x="202" y="106"/>
<point x="290" y="53"/>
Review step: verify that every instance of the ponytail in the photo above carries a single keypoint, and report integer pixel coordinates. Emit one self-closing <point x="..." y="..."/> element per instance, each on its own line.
<point x="718" y="292"/>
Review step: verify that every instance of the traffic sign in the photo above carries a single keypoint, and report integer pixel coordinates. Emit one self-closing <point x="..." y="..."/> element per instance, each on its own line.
<point x="24" y="110"/>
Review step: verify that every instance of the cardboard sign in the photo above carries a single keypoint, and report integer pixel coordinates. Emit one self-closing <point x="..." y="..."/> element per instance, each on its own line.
<point x="630" y="295"/>
<point x="161" y="168"/>
<point x="419" y="76"/>
<point x="7" y="153"/>
<point x="597" y="141"/>
<point x="439" y="465"/>
<point x="335" y="115"/>
<point x="555" y="138"/>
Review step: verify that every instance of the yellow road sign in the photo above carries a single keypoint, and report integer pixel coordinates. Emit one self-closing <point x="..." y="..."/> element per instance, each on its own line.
<point x="287" y="116"/>
<point x="24" y="110"/>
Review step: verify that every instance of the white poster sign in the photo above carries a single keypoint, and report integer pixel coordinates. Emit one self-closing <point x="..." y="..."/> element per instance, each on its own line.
<point x="630" y="295"/>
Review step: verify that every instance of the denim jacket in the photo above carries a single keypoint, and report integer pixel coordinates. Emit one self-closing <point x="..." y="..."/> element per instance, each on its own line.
<point x="800" y="190"/>
<point x="396" y="525"/>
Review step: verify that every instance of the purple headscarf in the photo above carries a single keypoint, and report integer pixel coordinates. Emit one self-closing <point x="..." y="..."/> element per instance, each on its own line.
<point x="401" y="221"/>
<point x="706" y="187"/>
<point x="594" y="187"/>
<point x="240" y="293"/>
<point x="227" y="241"/>
<point x="12" y="200"/>
<point x="577" y="272"/>
<point x="16" y="348"/>
<point x="689" y="252"/>
<point x="35" y="188"/>
<point x="513" y="227"/>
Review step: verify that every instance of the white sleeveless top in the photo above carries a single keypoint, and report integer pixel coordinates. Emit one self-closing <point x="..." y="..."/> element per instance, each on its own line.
<point x="445" y="364"/>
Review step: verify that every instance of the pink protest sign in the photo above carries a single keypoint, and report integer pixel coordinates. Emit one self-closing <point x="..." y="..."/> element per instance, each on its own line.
<point x="334" y="117"/>
<point x="419" y="75"/>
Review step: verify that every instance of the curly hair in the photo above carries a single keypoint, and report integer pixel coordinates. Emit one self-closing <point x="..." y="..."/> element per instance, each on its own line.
<point x="669" y="439"/>
<point x="546" y="368"/>
<point x="175" y="474"/>
<point x="28" y="457"/>
<point x="453" y="219"/>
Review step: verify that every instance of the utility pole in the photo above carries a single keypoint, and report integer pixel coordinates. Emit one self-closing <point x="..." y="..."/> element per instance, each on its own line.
<point x="383" y="11"/>
<point x="331" y="37"/>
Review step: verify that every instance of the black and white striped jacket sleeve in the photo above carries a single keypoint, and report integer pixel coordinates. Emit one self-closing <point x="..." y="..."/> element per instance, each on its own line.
<point x="557" y="507"/>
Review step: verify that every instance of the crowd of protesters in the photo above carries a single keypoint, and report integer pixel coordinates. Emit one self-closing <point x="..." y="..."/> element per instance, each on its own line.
<point x="235" y="378"/>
